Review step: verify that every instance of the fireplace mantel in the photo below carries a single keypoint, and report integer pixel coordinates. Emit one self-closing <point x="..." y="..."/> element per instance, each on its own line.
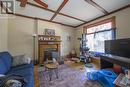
<point x="45" y="42"/>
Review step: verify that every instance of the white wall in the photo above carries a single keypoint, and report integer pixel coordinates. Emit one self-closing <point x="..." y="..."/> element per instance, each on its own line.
<point x="20" y="40"/>
<point x="122" y="24"/>
<point x="20" y="33"/>
<point x="63" y="31"/>
<point x="3" y="34"/>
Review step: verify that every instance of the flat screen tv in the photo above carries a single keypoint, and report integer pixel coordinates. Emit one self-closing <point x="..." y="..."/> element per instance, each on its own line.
<point x="119" y="47"/>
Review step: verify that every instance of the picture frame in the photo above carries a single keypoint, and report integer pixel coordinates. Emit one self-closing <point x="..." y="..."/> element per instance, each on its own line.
<point x="50" y="32"/>
<point x="69" y="38"/>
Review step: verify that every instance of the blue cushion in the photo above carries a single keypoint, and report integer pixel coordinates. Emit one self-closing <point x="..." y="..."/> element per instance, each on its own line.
<point x="21" y="67"/>
<point x="30" y="81"/>
<point x="7" y="59"/>
<point x="3" y="68"/>
<point x="22" y="72"/>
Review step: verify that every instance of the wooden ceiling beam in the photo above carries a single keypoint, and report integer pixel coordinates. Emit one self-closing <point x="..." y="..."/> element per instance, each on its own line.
<point x="59" y="9"/>
<point x="41" y="3"/>
<point x="53" y="11"/>
<point x="23" y="3"/>
<point x="127" y="6"/>
<point x="40" y="7"/>
<point x="91" y="2"/>
<point x="21" y="15"/>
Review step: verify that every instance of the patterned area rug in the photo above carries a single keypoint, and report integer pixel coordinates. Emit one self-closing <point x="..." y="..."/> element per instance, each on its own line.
<point x="68" y="77"/>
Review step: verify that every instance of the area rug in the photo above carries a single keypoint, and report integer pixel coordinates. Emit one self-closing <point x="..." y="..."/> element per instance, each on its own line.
<point x="68" y="77"/>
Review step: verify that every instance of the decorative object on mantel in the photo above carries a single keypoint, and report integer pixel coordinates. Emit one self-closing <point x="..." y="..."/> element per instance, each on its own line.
<point x="49" y="32"/>
<point x="48" y="38"/>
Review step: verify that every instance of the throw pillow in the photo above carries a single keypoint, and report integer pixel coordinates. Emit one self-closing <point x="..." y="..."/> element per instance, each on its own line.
<point x="21" y="59"/>
<point x="12" y="81"/>
<point x="1" y="75"/>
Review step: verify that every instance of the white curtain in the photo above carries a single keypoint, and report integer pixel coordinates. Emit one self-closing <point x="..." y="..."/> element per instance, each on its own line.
<point x="96" y="40"/>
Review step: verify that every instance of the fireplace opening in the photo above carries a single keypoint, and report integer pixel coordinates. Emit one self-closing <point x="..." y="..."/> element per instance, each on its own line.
<point x="48" y="54"/>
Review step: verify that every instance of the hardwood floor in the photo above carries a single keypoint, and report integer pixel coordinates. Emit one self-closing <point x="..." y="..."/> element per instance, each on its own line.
<point x="80" y="66"/>
<point x="36" y="79"/>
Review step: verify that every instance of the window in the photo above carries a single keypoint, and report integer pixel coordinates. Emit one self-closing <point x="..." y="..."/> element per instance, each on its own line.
<point x="98" y="33"/>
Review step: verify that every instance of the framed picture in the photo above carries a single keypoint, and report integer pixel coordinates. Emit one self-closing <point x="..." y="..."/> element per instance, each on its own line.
<point x="69" y="38"/>
<point x="49" y="32"/>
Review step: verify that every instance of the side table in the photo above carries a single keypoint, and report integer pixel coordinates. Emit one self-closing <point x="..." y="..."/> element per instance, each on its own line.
<point x="50" y="67"/>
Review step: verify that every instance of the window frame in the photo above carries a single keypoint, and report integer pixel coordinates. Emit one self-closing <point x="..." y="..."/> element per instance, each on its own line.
<point x="112" y="20"/>
<point x="109" y="20"/>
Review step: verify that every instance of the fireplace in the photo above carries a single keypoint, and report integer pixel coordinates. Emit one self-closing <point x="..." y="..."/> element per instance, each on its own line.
<point x="46" y="44"/>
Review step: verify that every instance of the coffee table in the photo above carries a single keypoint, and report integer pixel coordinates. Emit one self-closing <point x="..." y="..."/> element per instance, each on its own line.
<point x="50" y="67"/>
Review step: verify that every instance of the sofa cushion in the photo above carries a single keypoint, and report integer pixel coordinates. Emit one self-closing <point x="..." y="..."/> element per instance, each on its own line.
<point x="30" y="80"/>
<point x="1" y="75"/>
<point x="21" y="67"/>
<point x="23" y="71"/>
<point x="3" y="68"/>
<point x="20" y="60"/>
<point x="7" y="59"/>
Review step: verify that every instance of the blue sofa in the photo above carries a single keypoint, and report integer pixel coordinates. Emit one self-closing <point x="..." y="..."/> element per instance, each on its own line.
<point x="25" y="70"/>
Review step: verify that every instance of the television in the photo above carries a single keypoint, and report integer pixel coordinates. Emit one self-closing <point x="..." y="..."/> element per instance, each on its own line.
<point x="118" y="47"/>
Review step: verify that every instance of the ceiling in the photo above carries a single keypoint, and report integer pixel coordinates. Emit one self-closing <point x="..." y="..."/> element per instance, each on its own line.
<point x="72" y="13"/>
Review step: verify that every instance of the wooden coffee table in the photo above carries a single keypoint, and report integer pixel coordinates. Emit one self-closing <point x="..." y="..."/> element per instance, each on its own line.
<point x="50" y="67"/>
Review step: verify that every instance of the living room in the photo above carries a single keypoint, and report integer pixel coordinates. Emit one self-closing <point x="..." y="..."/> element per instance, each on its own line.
<point x="33" y="27"/>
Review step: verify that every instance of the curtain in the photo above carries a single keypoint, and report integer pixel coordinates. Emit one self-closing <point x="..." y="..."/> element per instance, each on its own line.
<point x="96" y="40"/>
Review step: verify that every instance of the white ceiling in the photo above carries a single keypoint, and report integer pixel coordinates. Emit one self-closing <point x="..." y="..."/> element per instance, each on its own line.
<point x="111" y="5"/>
<point x="67" y="20"/>
<point x="33" y="11"/>
<point x="52" y="4"/>
<point x="79" y="9"/>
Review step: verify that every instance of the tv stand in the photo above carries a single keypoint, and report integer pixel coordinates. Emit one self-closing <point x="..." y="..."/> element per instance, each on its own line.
<point x="107" y="61"/>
